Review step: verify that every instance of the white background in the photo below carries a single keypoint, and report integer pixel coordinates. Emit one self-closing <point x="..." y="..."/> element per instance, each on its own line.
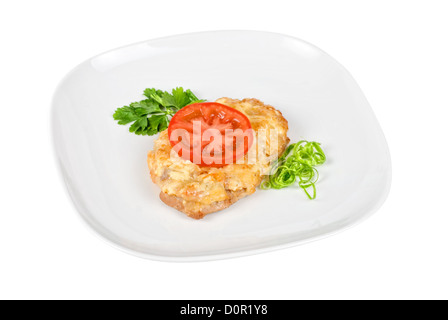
<point x="396" y="50"/>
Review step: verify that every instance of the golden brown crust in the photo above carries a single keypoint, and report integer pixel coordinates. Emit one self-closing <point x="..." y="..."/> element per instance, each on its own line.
<point x="251" y="106"/>
<point x="184" y="206"/>
<point x="198" y="191"/>
<point x="261" y="116"/>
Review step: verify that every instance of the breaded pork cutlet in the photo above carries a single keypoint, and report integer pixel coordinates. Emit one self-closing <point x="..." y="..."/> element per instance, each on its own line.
<point x="199" y="190"/>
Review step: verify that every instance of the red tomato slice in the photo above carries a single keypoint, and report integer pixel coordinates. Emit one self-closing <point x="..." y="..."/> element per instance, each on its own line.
<point x="210" y="134"/>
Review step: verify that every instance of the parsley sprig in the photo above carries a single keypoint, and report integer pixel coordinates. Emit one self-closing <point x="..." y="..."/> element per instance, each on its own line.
<point x="153" y="114"/>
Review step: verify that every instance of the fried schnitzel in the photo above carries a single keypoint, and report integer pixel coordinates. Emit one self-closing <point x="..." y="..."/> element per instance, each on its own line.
<point x="200" y="190"/>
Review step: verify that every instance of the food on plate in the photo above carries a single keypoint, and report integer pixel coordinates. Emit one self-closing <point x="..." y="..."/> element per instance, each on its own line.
<point x="297" y="164"/>
<point x="209" y="155"/>
<point x="199" y="190"/>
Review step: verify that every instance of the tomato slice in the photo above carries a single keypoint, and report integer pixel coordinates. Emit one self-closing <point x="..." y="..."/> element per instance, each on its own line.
<point x="210" y="134"/>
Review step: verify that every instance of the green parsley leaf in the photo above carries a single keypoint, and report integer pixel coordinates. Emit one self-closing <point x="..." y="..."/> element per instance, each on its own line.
<point x="159" y="122"/>
<point x="192" y="97"/>
<point x="125" y="115"/>
<point x="146" y="107"/>
<point x="152" y="93"/>
<point x="153" y="114"/>
<point x="161" y="97"/>
<point x="139" y="126"/>
<point x="181" y="99"/>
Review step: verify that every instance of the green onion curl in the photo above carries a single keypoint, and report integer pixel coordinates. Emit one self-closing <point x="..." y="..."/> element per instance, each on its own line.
<point x="297" y="166"/>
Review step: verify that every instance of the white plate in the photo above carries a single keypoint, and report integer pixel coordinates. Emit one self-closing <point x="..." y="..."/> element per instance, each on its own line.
<point x="105" y="168"/>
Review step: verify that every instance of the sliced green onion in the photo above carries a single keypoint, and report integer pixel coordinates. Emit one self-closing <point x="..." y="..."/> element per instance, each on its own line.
<point x="297" y="165"/>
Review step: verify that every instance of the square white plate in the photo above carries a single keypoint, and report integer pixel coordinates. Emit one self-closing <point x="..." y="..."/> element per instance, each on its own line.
<point x="105" y="168"/>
